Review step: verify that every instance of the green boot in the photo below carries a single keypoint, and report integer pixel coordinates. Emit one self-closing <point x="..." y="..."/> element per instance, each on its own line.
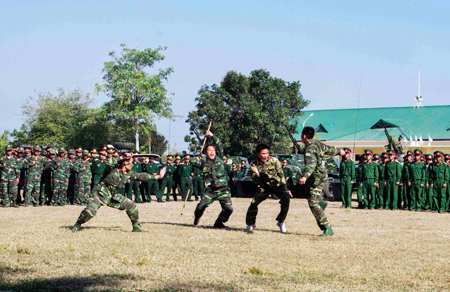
<point x="327" y="232"/>
<point x="76" y="227"/>
<point x="323" y="205"/>
<point x="137" y="228"/>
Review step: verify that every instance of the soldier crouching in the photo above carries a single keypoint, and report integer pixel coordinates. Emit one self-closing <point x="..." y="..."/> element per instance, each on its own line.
<point x="106" y="194"/>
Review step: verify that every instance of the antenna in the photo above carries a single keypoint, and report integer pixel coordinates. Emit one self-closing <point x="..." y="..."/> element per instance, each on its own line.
<point x="419" y="98"/>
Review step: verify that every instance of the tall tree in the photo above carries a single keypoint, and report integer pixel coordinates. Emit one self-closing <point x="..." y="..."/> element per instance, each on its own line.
<point x="247" y="111"/>
<point x="3" y="142"/>
<point x="136" y="95"/>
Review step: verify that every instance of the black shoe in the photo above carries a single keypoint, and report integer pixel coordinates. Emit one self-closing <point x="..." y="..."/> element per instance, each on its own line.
<point x="196" y="220"/>
<point x="190" y="200"/>
<point x="219" y="225"/>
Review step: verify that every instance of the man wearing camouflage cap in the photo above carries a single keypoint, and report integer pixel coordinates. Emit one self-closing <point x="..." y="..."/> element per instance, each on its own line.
<point x="35" y="166"/>
<point x="47" y="177"/>
<point x="61" y="174"/>
<point x="10" y="174"/>
<point x="84" y="179"/>
<point x="347" y="177"/>
<point x="23" y="173"/>
<point x="106" y="194"/>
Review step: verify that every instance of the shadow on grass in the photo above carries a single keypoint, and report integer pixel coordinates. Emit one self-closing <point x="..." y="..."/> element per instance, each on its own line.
<point x="225" y="229"/>
<point x="113" y="228"/>
<point x="95" y="282"/>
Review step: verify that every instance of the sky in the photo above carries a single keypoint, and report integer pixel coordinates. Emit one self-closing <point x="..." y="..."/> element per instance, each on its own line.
<point x="344" y="53"/>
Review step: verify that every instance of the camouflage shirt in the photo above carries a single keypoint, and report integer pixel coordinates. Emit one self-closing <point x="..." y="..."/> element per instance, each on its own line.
<point x="213" y="169"/>
<point x="315" y="172"/>
<point x="9" y="168"/>
<point x="271" y="174"/>
<point x="117" y="179"/>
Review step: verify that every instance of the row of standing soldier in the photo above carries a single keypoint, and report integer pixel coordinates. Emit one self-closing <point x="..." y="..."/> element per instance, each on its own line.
<point x="421" y="183"/>
<point x="58" y="177"/>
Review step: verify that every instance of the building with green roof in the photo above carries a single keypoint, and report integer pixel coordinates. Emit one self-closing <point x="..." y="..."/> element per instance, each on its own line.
<point x="364" y="128"/>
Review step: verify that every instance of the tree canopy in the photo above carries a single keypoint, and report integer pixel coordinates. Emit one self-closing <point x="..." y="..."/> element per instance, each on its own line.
<point x="247" y="111"/>
<point x="136" y="95"/>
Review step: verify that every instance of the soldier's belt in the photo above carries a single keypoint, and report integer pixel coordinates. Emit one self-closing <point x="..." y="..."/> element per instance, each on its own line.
<point x="438" y="179"/>
<point x="370" y="178"/>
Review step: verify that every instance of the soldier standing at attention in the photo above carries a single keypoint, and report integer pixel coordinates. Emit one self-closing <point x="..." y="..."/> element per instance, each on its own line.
<point x="167" y="180"/>
<point x="185" y="171"/>
<point x="106" y="194"/>
<point x="84" y="179"/>
<point x="428" y="192"/>
<point x="439" y="175"/>
<point x="35" y="167"/>
<point x="198" y="187"/>
<point x="406" y="189"/>
<point x="47" y="177"/>
<point x="393" y="175"/>
<point x="234" y="177"/>
<point x="369" y="181"/>
<point x="362" y="160"/>
<point x="268" y="174"/>
<point x="10" y="175"/>
<point x="382" y="193"/>
<point x="61" y="174"/>
<point x="215" y="180"/>
<point x="447" y="162"/>
<point x="287" y="171"/>
<point x="416" y="174"/>
<point x="152" y="168"/>
<point x="133" y="185"/>
<point x="176" y="178"/>
<point x="72" y="191"/>
<point x="347" y="177"/>
<point x="315" y="176"/>
<point x="23" y="173"/>
<point x="98" y="168"/>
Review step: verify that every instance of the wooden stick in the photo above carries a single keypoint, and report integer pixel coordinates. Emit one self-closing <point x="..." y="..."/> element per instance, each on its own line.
<point x="190" y="185"/>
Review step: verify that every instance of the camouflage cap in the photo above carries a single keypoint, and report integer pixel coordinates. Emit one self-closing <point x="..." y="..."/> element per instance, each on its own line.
<point x="20" y="150"/>
<point x="8" y="148"/>
<point x="51" y="151"/>
<point x="72" y="152"/>
<point x="37" y="148"/>
<point x="61" y="150"/>
<point x="85" y="152"/>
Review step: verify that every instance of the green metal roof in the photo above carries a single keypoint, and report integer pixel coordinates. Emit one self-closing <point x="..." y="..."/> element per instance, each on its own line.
<point x="406" y="121"/>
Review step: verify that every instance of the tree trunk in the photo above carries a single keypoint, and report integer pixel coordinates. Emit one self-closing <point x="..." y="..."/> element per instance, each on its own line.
<point x="150" y="143"/>
<point x="136" y="134"/>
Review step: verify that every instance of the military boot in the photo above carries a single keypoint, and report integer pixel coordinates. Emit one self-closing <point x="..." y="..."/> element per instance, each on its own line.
<point x="327" y="232"/>
<point x="323" y="205"/>
<point x="137" y="227"/>
<point x="219" y="224"/>
<point x="76" y="227"/>
<point x="196" y="220"/>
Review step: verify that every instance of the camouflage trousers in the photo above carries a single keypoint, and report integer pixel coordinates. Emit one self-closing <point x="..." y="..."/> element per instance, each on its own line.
<point x="46" y="190"/>
<point x="118" y="202"/>
<point x="59" y="197"/>
<point x="72" y="192"/>
<point x="211" y="194"/>
<point x="32" y="191"/>
<point x="314" y="196"/>
<point x="84" y="191"/>
<point x="260" y="196"/>
<point x="9" y="192"/>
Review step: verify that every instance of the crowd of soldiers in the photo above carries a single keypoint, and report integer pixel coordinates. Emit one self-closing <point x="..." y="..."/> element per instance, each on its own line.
<point x="421" y="183"/>
<point x="56" y="177"/>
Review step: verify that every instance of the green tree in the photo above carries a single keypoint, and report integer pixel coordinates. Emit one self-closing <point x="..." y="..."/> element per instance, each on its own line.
<point x="246" y="111"/>
<point x="3" y="142"/>
<point x="54" y="119"/>
<point x="136" y="95"/>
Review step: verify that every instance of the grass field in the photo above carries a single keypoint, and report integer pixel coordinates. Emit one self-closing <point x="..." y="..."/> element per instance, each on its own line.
<point x="371" y="250"/>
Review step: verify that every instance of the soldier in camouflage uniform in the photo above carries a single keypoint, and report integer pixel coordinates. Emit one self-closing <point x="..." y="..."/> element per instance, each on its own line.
<point x="61" y="172"/>
<point x="74" y="165"/>
<point x="23" y="175"/>
<point x="315" y="175"/>
<point x="215" y="181"/>
<point x="47" y="177"/>
<point x="35" y="166"/>
<point x="10" y="175"/>
<point x="106" y="194"/>
<point x="268" y="175"/>
<point x="84" y="179"/>
<point x="167" y="180"/>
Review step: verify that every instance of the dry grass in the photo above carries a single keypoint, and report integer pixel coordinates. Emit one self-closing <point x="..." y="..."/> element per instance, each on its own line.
<point x="371" y="251"/>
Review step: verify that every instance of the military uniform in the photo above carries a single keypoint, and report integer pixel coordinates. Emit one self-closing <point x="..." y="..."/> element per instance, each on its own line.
<point x="439" y="176"/>
<point x="167" y="180"/>
<point x="447" y="162"/>
<point x="10" y="174"/>
<point x="369" y="181"/>
<point x="316" y="175"/>
<point x="198" y="187"/>
<point x="23" y="174"/>
<point x="417" y="173"/>
<point x="184" y="172"/>
<point x="106" y="195"/>
<point x="61" y="173"/>
<point x="393" y="175"/>
<point x="84" y="179"/>
<point x="133" y="185"/>
<point x="428" y="191"/>
<point x="35" y="166"/>
<point x="216" y="185"/>
<point x="97" y="168"/>
<point x="176" y="178"/>
<point x="382" y="189"/>
<point x="406" y="189"/>
<point x="347" y="176"/>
